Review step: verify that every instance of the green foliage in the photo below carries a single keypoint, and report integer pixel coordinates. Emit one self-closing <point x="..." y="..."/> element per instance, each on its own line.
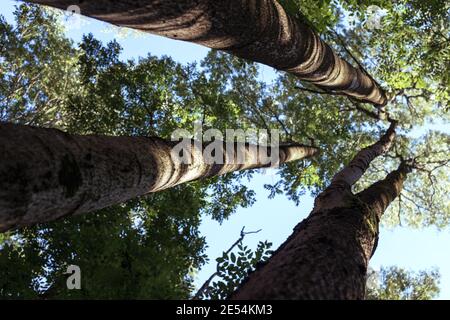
<point x="149" y="247"/>
<point x="226" y="195"/>
<point x="409" y="53"/>
<point x="393" y="283"/>
<point x="325" y="14"/>
<point x="142" y="249"/>
<point x="233" y="267"/>
<point x="37" y="68"/>
<point x="145" y="248"/>
<point x="416" y="55"/>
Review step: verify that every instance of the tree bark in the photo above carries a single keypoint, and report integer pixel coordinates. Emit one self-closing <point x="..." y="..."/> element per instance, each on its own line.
<point x="327" y="255"/>
<point x="257" y="30"/>
<point x="343" y="181"/>
<point x="46" y="174"/>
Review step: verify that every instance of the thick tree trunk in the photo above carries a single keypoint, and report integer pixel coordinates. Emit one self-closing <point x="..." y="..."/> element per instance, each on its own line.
<point x="325" y="258"/>
<point x="258" y="30"/>
<point x="46" y="174"/>
<point x="327" y="255"/>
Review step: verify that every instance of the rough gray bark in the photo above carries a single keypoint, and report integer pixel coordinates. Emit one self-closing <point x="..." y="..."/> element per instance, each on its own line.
<point x="258" y="30"/>
<point x="46" y="174"/>
<point x="327" y="255"/>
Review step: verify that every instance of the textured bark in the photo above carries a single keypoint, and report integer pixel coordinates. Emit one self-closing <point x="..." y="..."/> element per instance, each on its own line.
<point x="327" y="255"/>
<point x="343" y="181"/>
<point x="360" y="163"/>
<point x="325" y="258"/>
<point x="258" y="30"/>
<point x="46" y="174"/>
<point x="379" y="195"/>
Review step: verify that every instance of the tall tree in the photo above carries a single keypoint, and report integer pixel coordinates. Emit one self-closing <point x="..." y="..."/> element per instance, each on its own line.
<point x="148" y="101"/>
<point x="260" y="31"/>
<point x="389" y="283"/>
<point x="328" y="254"/>
<point x="412" y="62"/>
<point x="56" y="174"/>
<point x="417" y="77"/>
<point x="148" y="247"/>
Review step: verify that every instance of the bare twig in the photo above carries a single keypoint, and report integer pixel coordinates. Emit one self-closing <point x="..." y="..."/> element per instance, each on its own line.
<point x="204" y="288"/>
<point x="253" y="108"/>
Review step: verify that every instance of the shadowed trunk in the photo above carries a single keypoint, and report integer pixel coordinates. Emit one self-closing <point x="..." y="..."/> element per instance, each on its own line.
<point x="46" y="174"/>
<point x="327" y="255"/>
<point x="258" y="30"/>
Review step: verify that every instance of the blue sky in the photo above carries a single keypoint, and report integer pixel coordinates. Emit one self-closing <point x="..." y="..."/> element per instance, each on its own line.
<point x="411" y="249"/>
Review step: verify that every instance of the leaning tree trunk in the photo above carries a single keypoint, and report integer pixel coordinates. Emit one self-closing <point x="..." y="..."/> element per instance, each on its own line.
<point x="327" y="255"/>
<point x="46" y="173"/>
<point x="258" y="30"/>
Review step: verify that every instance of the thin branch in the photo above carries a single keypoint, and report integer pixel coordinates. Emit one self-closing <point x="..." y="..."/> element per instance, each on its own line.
<point x="254" y="108"/>
<point x="204" y="288"/>
<point x="280" y="122"/>
<point x="419" y="207"/>
<point x="379" y="115"/>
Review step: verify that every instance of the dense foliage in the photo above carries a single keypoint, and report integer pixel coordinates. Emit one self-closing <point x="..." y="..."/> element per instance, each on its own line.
<point x="395" y="283"/>
<point x="151" y="247"/>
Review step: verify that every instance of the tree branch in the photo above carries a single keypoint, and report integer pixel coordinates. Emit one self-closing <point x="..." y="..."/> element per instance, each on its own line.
<point x="380" y="194"/>
<point x="343" y="181"/>
<point x="360" y="163"/>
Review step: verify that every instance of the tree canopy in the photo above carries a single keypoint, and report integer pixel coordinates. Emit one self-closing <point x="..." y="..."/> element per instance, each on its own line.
<point x="151" y="247"/>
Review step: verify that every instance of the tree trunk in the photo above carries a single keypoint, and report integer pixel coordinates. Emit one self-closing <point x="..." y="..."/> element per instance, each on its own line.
<point x="46" y="174"/>
<point x="327" y="255"/>
<point x="258" y="30"/>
